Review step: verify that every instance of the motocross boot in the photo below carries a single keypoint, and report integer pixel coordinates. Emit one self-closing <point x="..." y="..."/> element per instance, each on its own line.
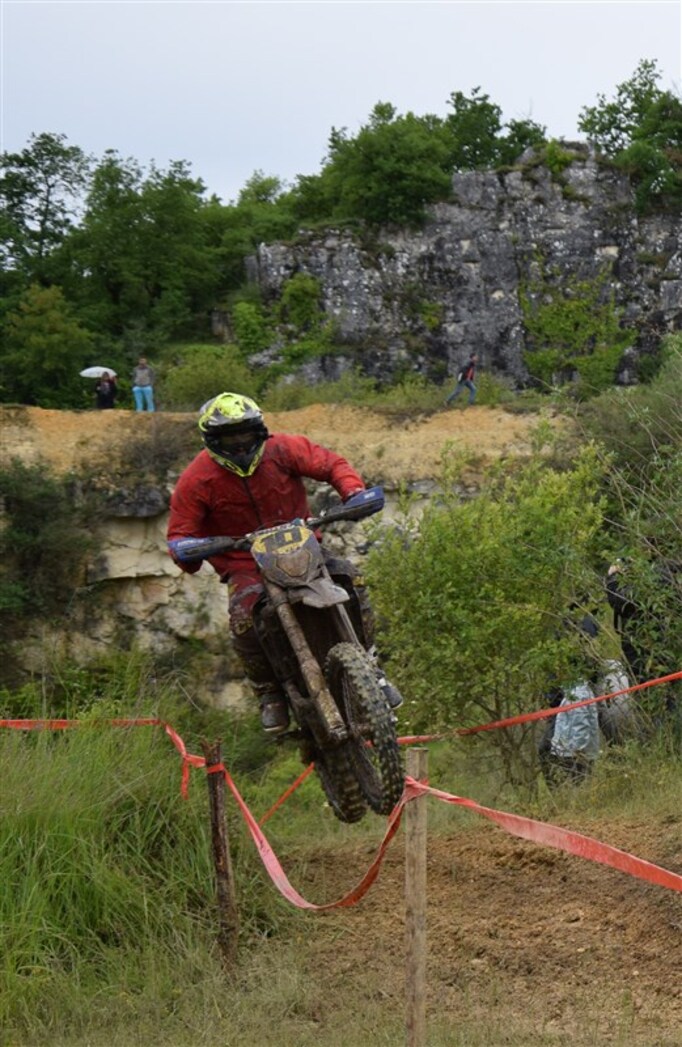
<point x="274" y="710"/>
<point x="391" y="693"/>
<point x="274" y="714"/>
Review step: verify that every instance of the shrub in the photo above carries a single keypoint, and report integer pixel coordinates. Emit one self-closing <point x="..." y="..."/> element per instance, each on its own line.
<point x="470" y="642"/>
<point x="300" y="304"/>
<point x="203" y="372"/>
<point x="573" y="328"/>
<point x="250" y="327"/>
<point x="42" y="545"/>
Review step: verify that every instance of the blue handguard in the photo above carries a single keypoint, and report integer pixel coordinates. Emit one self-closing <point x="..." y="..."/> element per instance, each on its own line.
<point x="189" y="550"/>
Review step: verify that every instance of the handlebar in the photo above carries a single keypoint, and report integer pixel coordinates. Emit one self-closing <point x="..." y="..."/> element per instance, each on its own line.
<point x="362" y="504"/>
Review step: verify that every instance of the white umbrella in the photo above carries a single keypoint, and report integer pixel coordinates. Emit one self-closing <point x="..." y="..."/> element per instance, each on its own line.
<point x="97" y="372"/>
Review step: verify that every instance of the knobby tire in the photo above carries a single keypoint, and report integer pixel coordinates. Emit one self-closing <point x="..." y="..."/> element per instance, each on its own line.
<point x="378" y="770"/>
<point x="337" y="778"/>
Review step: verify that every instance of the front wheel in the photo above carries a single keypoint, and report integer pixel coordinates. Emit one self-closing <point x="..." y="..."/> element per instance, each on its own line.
<point x="377" y="766"/>
<point x="337" y="778"/>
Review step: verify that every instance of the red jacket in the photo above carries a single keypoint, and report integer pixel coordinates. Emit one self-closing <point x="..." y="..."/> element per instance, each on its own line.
<point x="210" y="499"/>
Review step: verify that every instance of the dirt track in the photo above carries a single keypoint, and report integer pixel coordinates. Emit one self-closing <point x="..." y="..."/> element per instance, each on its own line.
<point x="531" y="944"/>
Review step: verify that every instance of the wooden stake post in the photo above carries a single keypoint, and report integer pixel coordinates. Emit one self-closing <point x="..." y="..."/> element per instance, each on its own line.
<point x="228" y="914"/>
<point x="415" y="905"/>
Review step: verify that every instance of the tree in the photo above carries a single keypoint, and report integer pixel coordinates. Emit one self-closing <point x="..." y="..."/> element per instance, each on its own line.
<point x="45" y="348"/>
<point x="476" y="133"/>
<point x="263" y="214"/>
<point x="389" y="170"/>
<point x="613" y="125"/>
<point x="475" y="125"/>
<point x="641" y="130"/>
<point x="143" y="253"/>
<point x="640" y="433"/>
<point x="40" y="189"/>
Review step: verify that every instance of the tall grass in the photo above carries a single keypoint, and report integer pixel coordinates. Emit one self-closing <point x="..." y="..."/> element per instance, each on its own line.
<point x="107" y="919"/>
<point x="107" y="915"/>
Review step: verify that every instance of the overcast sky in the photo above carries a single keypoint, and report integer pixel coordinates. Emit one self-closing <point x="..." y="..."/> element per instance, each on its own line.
<point x="233" y="87"/>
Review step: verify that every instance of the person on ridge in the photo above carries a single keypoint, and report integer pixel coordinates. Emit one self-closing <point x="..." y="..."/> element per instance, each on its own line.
<point x="143" y="385"/>
<point x="105" y="391"/>
<point x="465" y="380"/>
<point x="243" y="480"/>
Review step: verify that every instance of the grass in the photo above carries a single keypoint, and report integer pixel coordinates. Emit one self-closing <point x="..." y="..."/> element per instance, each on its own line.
<point x="412" y="393"/>
<point x="107" y="921"/>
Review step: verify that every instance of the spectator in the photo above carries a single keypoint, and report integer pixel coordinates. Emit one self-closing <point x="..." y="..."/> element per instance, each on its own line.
<point x="105" y="391"/>
<point x="625" y="614"/>
<point x="465" y="380"/>
<point x="569" y="744"/>
<point x="143" y="386"/>
<point x="618" y="716"/>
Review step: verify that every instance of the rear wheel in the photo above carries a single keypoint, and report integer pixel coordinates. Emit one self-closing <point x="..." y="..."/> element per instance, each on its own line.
<point x="337" y="777"/>
<point x="377" y="768"/>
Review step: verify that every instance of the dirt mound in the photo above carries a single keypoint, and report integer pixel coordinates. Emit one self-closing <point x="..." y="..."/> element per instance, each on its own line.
<point x="531" y="944"/>
<point x="386" y="448"/>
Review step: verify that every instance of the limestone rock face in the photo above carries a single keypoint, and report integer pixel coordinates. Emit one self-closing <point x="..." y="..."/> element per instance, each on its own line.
<point x="427" y="297"/>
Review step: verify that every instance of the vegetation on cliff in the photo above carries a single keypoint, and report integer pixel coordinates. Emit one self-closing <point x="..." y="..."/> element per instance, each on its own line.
<point x="103" y="257"/>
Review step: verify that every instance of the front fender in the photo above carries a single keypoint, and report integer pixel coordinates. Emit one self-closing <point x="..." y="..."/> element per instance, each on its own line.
<point x="319" y="592"/>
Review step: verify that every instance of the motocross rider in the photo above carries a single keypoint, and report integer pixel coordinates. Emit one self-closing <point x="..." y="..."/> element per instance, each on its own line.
<point x="246" y="479"/>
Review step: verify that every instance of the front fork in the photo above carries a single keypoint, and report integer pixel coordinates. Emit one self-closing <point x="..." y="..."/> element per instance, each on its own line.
<point x="332" y="724"/>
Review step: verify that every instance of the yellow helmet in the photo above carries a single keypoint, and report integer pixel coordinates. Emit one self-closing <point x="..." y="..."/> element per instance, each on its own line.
<point x="233" y="431"/>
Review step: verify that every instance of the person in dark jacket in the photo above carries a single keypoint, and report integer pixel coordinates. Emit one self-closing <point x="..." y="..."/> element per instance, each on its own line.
<point x="246" y="479"/>
<point x="105" y="391"/>
<point x="465" y="380"/>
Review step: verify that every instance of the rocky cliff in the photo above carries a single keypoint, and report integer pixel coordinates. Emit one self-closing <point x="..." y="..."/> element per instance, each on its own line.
<point x="423" y="299"/>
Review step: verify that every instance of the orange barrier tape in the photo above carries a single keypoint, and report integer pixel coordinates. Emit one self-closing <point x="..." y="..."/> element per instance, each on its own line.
<point x="279" y="877"/>
<point x="538" y="714"/>
<point x="287" y="793"/>
<point x="526" y="828"/>
<point x="561" y="839"/>
<point x="542" y="833"/>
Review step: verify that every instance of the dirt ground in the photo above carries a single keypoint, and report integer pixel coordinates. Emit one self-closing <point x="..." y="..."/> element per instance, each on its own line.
<point x="386" y="449"/>
<point x="525" y="944"/>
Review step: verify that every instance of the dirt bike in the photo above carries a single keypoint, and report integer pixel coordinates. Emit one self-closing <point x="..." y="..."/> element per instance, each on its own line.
<point x="311" y="630"/>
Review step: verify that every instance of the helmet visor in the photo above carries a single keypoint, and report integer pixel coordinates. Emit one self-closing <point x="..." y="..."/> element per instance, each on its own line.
<point x="232" y="442"/>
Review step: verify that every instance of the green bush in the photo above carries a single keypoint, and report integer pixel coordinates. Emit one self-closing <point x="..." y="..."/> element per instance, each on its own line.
<point x="203" y="372"/>
<point x="556" y="158"/>
<point x="573" y="327"/>
<point x="300" y="302"/>
<point x="250" y="327"/>
<point x="42" y="545"/>
<point x="285" y="395"/>
<point x="479" y="639"/>
<point x="634" y="424"/>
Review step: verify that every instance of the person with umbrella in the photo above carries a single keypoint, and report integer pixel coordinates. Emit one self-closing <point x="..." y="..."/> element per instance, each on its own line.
<point x="105" y="391"/>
